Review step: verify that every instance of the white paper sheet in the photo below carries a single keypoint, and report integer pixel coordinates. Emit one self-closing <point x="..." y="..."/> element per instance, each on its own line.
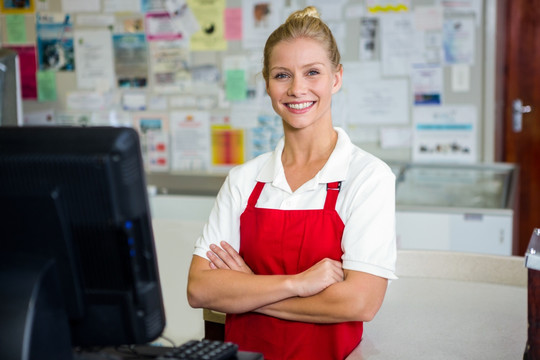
<point x="94" y="58"/>
<point x="43" y="117"/>
<point x="134" y="101"/>
<point x="459" y="41"/>
<point x="428" y="18"/>
<point x="329" y="10"/>
<point x="87" y="100"/>
<point x="393" y="138"/>
<point x="445" y="133"/>
<point x="81" y="6"/>
<point x="427" y="84"/>
<point x="259" y="19"/>
<point x="366" y="98"/>
<point x="461" y="78"/>
<point x="469" y="7"/>
<point x="397" y="35"/>
<point x="190" y="140"/>
<point x="169" y="63"/>
<point x="94" y="20"/>
<point x="122" y="6"/>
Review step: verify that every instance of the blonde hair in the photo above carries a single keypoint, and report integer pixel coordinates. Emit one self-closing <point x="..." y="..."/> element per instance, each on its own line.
<point x="307" y="24"/>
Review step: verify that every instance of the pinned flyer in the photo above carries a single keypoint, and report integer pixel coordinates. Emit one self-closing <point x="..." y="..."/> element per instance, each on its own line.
<point x="182" y="18"/>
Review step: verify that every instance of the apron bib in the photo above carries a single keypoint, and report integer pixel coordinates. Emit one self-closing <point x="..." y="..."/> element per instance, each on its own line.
<point x="287" y="242"/>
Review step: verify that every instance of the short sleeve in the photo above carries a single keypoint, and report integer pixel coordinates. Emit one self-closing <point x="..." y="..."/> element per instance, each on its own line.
<point x="369" y="238"/>
<point x="223" y="223"/>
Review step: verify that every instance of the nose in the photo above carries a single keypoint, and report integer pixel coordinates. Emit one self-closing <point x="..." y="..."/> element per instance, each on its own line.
<point x="297" y="86"/>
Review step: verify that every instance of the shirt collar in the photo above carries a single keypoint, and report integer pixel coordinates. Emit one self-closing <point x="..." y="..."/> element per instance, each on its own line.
<point x="335" y="169"/>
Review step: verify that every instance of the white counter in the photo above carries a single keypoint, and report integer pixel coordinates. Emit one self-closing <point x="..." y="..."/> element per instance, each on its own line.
<point x="451" y="306"/>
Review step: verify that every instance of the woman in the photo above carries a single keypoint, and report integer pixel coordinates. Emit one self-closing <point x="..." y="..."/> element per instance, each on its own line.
<point x="300" y="244"/>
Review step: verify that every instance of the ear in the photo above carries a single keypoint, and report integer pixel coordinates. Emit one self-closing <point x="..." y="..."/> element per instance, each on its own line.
<point x="338" y="80"/>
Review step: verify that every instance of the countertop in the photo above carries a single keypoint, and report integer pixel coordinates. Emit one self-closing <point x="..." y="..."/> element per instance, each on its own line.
<point x="451" y="306"/>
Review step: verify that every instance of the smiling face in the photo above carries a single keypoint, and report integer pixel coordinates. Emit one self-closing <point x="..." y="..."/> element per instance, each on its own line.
<point x="301" y="83"/>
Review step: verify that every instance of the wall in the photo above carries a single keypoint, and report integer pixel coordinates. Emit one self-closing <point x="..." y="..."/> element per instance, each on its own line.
<point x="230" y="110"/>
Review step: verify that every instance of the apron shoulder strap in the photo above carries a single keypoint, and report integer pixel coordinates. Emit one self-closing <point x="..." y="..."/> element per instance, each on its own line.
<point x="332" y="192"/>
<point x="255" y="194"/>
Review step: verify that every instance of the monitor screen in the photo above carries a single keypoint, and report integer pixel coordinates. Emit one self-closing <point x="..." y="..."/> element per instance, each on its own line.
<point x="77" y="256"/>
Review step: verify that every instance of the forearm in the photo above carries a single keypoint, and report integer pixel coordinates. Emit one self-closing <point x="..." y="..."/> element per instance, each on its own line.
<point x="357" y="300"/>
<point x="232" y="291"/>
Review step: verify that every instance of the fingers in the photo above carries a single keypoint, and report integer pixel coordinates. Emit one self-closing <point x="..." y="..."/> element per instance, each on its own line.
<point x="318" y="277"/>
<point x="226" y="257"/>
<point x="215" y="261"/>
<point x="332" y="267"/>
<point x="232" y="253"/>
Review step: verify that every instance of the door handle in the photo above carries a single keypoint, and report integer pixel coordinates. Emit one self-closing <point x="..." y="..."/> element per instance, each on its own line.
<point x="518" y="109"/>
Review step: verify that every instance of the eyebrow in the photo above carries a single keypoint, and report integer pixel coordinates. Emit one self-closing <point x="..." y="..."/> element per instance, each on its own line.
<point x="305" y="66"/>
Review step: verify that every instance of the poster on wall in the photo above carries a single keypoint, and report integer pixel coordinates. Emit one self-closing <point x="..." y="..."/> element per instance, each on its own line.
<point x="265" y="135"/>
<point x="159" y="26"/>
<point x="94" y="58"/>
<point x="153" y="128"/>
<point x="190" y="140"/>
<point x="169" y="66"/>
<point x="259" y="19"/>
<point x="227" y="145"/>
<point x="27" y="66"/>
<point x="397" y="35"/>
<point x="427" y="84"/>
<point x="445" y="133"/>
<point x="211" y="20"/>
<point x="152" y="5"/>
<point x="130" y="60"/>
<point x="16" y="6"/>
<point x="55" y="49"/>
<point x="459" y="41"/>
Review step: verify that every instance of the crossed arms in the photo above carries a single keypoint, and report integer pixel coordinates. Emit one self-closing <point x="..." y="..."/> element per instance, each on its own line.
<point x="324" y="293"/>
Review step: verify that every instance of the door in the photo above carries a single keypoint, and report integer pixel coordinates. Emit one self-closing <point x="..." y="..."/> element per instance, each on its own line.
<point x="518" y="78"/>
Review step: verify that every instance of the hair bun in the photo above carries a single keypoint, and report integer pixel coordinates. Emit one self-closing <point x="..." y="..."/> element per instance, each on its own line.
<point x="309" y="11"/>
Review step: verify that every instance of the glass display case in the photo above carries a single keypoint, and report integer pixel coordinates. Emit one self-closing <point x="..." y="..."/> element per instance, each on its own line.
<point x="456" y="207"/>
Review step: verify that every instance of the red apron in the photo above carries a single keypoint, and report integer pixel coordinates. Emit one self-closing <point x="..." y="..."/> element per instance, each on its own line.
<point x="276" y="242"/>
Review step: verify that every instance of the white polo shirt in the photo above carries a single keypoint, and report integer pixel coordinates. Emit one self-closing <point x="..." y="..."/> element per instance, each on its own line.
<point x="366" y="203"/>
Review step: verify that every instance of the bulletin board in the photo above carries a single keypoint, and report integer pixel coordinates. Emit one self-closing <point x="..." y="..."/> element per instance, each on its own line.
<point x="187" y="74"/>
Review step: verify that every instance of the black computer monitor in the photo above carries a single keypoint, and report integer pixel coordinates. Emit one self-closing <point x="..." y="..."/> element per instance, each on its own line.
<point x="78" y="264"/>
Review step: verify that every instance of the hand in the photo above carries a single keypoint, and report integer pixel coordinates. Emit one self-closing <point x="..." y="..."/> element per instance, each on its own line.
<point x="318" y="277"/>
<point x="226" y="257"/>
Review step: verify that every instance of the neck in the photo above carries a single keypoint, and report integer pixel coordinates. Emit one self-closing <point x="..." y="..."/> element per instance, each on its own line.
<point x="304" y="146"/>
<point x="304" y="157"/>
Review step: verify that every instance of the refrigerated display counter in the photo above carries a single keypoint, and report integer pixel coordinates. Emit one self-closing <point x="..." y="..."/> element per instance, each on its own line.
<point x="457" y="207"/>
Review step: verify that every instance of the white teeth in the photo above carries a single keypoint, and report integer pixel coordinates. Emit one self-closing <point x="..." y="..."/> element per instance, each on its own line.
<point x="300" y="106"/>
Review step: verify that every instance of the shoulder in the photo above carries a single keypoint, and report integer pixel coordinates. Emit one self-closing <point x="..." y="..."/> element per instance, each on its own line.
<point x="364" y="165"/>
<point x="244" y="176"/>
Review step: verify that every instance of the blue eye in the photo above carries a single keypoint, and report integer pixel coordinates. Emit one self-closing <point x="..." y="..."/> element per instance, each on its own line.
<point x="280" y="76"/>
<point x="313" y="72"/>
